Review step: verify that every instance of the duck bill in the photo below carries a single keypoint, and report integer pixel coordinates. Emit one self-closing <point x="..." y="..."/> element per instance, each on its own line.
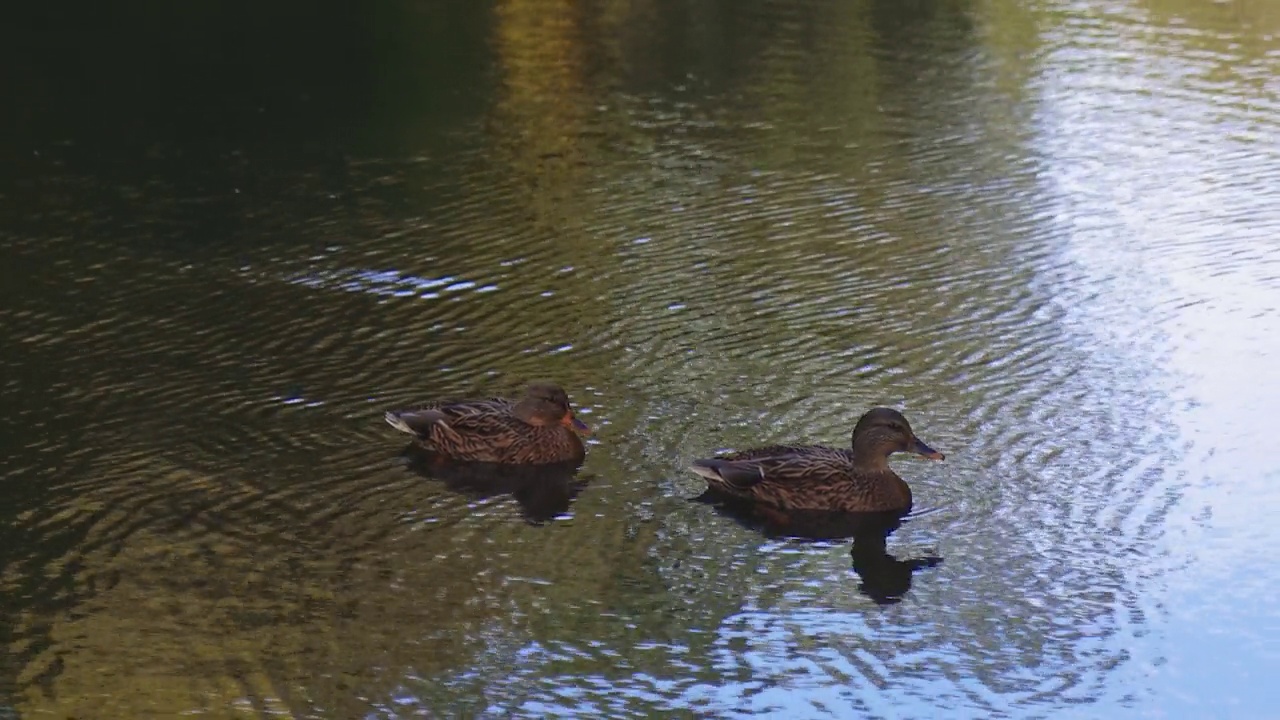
<point x="921" y="449"/>
<point x="571" y="421"/>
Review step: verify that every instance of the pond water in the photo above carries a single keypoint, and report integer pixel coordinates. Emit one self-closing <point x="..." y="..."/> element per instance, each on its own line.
<point x="1048" y="231"/>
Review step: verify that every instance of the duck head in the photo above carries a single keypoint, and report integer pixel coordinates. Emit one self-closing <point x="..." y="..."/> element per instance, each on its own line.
<point x="880" y="432"/>
<point x="545" y="404"/>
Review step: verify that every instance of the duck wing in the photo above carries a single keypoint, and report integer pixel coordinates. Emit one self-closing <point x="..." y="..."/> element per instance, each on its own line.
<point x="776" y="464"/>
<point x="449" y="419"/>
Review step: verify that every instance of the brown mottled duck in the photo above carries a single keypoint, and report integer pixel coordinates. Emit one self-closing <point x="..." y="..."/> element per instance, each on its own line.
<point x="815" y="478"/>
<point x="537" y="429"/>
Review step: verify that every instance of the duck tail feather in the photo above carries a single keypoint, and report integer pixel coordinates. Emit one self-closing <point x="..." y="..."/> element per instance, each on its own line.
<point x="728" y="473"/>
<point x="394" y="420"/>
<point x="414" y="423"/>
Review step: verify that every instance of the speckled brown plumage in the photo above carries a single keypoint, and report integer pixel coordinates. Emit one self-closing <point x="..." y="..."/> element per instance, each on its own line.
<point x="813" y="477"/>
<point x="537" y="429"/>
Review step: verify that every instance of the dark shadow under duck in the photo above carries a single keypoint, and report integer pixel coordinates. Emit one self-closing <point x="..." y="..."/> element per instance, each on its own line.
<point x="538" y="429"/>
<point x="791" y="478"/>
<point x="544" y="492"/>
<point x="885" y="579"/>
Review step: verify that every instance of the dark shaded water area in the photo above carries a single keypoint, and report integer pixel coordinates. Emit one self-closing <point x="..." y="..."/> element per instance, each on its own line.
<point x="232" y="235"/>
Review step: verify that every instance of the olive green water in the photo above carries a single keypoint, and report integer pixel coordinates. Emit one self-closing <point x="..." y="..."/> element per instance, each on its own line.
<point x="232" y="236"/>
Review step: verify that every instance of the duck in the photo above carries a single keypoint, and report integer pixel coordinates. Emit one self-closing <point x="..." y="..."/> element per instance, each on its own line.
<point x="539" y="428"/>
<point x="788" y="478"/>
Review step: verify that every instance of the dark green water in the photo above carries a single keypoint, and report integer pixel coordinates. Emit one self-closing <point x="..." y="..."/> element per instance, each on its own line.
<point x="231" y="236"/>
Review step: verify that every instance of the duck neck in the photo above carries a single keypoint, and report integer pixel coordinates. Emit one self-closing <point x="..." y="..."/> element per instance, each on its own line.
<point x="870" y="457"/>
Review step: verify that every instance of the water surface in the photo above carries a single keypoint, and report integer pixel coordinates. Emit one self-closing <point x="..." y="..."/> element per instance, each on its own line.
<point x="1046" y="231"/>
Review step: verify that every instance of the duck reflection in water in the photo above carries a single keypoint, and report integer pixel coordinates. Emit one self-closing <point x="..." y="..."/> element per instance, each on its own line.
<point x="543" y="492"/>
<point x="885" y="579"/>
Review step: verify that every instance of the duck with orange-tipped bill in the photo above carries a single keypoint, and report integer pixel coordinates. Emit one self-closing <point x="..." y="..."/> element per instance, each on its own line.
<point x="537" y="429"/>
<point x="816" y="478"/>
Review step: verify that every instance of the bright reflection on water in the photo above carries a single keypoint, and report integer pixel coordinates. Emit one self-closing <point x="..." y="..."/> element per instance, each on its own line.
<point x="1047" y="231"/>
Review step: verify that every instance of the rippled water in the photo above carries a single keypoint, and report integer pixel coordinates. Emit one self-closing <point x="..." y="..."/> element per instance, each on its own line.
<point x="1047" y="231"/>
